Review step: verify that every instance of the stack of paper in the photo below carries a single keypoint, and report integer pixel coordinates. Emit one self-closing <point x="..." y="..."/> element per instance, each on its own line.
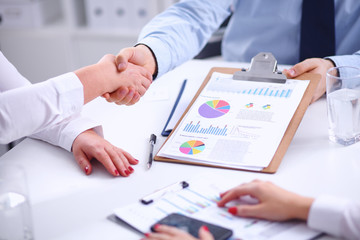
<point x="199" y="201"/>
<point x="234" y="123"/>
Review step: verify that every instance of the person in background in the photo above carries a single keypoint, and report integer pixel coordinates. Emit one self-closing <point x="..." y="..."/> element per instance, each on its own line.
<point x="51" y="110"/>
<point x="291" y="30"/>
<point x="336" y="216"/>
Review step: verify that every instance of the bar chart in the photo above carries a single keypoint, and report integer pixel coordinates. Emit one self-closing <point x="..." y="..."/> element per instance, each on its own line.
<point x="210" y="130"/>
<point x="270" y="92"/>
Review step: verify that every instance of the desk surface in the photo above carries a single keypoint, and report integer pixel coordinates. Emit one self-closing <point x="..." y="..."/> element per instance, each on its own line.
<point x="66" y="204"/>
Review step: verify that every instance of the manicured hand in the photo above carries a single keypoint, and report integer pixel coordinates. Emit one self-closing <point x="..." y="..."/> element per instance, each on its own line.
<point x="171" y="233"/>
<point x="312" y="65"/>
<point x="88" y="145"/>
<point x="274" y="203"/>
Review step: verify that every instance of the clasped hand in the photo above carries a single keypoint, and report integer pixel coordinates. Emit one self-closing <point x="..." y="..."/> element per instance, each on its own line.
<point x="127" y="85"/>
<point x="138" y="64"/>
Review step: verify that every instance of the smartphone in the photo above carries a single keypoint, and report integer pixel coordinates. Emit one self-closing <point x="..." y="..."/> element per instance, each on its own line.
<point x="192" y="226"/>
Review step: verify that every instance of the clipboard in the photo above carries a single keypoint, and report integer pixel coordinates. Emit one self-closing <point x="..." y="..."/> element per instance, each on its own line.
<point x="263" y="68"/>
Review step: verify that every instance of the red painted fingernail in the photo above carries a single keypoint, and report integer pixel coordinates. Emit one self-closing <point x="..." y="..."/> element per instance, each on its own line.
<point x="205" y="228"/>
<point x="116" y="172"/>
<point x="127" y="172"/>
<point x="86" y="169"/>
<point x="232" y="210"/>
<point x="131" y="169"/>
<point x="137" y="160"/>
<point x="156" y="226"/>
<point x="147" y="234"/>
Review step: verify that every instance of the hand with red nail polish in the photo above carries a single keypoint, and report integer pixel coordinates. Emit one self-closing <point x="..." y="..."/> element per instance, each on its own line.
<point x="272" y="202"/>
<point x="173" y="233"/>
<point x="89" y="145"/>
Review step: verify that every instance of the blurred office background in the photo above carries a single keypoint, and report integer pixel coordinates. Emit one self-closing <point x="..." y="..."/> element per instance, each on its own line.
<point x="45" y="38"/>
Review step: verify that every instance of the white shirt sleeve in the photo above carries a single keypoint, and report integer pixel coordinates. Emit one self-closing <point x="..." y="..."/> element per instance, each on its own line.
<point x="64" y="134"/>
<point x="336" y="216"/>
<point x="26" y="109"/>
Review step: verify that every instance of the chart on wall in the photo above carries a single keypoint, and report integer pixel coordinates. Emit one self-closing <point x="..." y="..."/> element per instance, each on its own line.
<point x="214" y="108"/>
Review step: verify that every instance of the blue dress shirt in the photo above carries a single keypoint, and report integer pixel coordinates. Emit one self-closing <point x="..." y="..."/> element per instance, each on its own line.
<point x="180" y="32"/>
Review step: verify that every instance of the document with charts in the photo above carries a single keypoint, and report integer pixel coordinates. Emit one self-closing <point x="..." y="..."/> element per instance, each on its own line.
<point x="234" y="123"/>
<point x="199" y="201"/>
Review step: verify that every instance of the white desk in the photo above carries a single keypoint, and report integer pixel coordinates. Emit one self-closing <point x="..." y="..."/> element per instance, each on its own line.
<point x="66" y="204"/>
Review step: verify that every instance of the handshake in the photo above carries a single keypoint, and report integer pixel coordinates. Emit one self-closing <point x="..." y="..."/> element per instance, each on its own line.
<point x="122" y="79"/>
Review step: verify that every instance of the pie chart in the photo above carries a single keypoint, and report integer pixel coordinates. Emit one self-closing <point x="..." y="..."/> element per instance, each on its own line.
<point x="192" y="147"/>
<point x="214" y="108"/>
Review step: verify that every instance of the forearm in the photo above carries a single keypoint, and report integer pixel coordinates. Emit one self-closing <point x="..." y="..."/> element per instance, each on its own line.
<point x="93" y="81"/>
<point x="30" y="109"/>
<point x="180" y="32"/>
<point x="64" y="134"/>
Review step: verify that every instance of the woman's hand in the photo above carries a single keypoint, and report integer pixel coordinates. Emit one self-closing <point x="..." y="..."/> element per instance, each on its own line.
<point x="274" y="203"/>
<point x="89" y="145"/>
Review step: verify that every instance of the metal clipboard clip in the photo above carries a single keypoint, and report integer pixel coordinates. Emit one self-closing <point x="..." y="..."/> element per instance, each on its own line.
<point x="263" y="68"/>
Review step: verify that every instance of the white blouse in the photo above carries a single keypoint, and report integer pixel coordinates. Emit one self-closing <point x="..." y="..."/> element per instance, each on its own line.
<point x="49" y="110"/>
<point x="336" y="216"/>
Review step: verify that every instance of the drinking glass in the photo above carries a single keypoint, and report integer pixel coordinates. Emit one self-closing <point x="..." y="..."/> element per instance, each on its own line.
<point x="15" y="216"/>
<point x="343" y="96"/>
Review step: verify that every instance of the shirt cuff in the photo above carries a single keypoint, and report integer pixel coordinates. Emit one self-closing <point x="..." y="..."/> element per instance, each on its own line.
<point x="345" y="60"/>
<point x="70" y="91"/>
<point x="74" y="128"/>
<point x="326" y="214"/>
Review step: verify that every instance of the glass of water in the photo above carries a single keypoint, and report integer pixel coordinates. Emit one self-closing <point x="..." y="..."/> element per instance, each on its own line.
<point x="15" y="216"/>
<point x="343" y="104"/>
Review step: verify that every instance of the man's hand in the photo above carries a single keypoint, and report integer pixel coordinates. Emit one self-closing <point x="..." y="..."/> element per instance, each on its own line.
<point x="140" y="56"/>
<point x="312" y="65"/>
<point x="274" y="203"/>
<point x="88" y="145"/>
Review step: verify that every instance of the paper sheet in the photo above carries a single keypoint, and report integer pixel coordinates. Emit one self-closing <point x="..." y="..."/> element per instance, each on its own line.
<point x="234" y="123"/>
<point x="199" y="201"/>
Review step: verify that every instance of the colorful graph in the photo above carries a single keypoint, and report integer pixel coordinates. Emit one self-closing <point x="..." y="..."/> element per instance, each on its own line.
<point x="249" y="105"/>
<point x="214" y="108"/>
<point x="190" y="127"/>
<point x="192" y="147"/>
<point x="267" y="106"/>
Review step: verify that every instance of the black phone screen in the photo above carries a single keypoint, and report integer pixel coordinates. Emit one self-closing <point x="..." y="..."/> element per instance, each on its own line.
<point x="192" y="226"/>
